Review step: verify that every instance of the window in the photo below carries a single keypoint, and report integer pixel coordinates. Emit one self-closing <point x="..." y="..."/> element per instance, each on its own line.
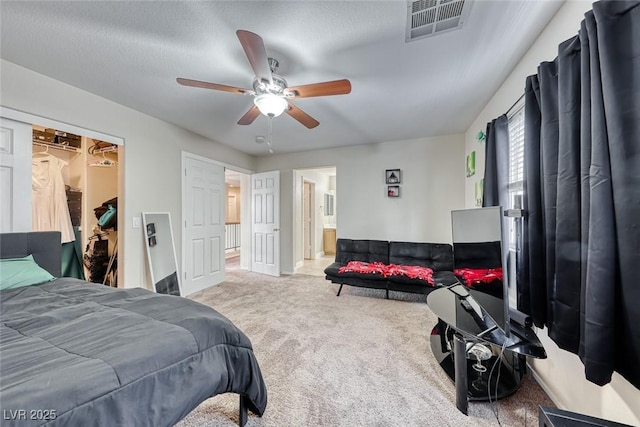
<point x="516" y="164"/>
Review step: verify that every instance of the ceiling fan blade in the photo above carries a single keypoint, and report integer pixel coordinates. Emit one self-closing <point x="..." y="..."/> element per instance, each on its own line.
<point x="214" y="86"/>
<point x="256" y="54"/>
<point x="301" y="116"/>
<point x="249" y="116"/>
<point x="335" y="87"/>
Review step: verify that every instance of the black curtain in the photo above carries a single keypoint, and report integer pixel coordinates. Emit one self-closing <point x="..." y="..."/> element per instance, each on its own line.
<point x="496" y="178"/>
<point x="581" y="233"/>
<point x="495" y="187"/>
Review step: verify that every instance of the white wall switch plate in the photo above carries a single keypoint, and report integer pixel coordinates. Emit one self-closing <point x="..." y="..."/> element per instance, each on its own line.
<point x="136" y="222"/>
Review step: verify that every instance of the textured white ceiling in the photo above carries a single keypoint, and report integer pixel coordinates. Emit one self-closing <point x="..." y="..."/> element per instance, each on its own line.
<point x="132" y="52"/>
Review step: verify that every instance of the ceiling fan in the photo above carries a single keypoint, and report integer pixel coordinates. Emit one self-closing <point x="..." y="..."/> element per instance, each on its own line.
<point x="271" y="94"/>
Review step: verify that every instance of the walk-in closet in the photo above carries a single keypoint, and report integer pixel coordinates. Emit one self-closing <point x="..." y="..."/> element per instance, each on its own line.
<point x="75" y="191"/>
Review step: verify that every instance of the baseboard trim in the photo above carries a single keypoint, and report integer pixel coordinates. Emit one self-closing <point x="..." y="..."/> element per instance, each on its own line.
<point x="554" y="398"/>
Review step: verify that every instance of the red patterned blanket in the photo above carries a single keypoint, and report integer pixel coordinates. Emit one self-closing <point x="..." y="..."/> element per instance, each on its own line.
<point x="364" y="267"/>
<point x="473" y="276"/>
<point x="410" y="271"/>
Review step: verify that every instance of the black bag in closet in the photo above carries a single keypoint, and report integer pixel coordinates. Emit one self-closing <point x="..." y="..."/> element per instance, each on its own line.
<point x="96" y="258"/>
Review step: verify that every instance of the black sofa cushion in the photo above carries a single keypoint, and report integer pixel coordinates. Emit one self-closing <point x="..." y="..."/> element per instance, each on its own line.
<point x="359" y="281"/>
<point x="478" y="255"/>
<point x="334" y="270"/>
<point x="440" y="278"/>
<point x="444" y="278"/>
<point x="358" y="250"/>
<point x="362" y="250"/>
<point x="436" y="256"/>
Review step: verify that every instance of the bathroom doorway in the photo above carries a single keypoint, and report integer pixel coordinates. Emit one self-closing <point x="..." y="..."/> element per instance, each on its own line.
<point x="315" y="221"/>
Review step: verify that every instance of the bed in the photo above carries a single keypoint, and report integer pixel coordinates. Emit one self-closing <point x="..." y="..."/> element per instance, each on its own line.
<point x="78" y="353"/>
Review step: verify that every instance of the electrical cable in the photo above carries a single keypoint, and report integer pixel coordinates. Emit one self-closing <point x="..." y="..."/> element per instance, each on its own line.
<point x="497" y="362"/>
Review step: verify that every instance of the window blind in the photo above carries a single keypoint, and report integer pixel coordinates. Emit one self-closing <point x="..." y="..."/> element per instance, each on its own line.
<point x="516" y="169"/>
<point x="516" y="149"/>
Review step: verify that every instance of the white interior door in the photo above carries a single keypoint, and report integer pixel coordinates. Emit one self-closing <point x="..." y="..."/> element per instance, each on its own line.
<point x="203" y="213"/>
<point x="15" y="176"/>
<point x="265" y="223"/>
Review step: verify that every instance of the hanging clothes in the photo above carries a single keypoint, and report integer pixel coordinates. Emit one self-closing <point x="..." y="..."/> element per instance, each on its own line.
<point x="72" y="257"/>
<point x="96" y="257"/>
<point x="50" y="211"/>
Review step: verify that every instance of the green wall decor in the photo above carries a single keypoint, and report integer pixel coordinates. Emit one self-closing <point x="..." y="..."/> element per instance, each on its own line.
<point x="471" y="164"/>
<point x="479" y="189"/>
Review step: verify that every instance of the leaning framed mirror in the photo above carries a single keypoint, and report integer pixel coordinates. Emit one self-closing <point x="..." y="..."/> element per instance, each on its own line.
<point x="161" y="253"/>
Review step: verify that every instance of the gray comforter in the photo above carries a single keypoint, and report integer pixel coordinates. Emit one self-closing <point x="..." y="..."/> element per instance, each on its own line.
<point x="79" y="354"/>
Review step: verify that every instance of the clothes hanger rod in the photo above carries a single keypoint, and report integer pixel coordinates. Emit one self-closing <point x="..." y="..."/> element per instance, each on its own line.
<point x="57" y="147"/>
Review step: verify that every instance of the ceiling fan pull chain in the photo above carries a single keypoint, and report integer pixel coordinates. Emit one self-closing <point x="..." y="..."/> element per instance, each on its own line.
<point x="270" y="134"/>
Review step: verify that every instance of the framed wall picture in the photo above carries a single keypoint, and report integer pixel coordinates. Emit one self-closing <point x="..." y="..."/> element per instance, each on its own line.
<point x="471" y="164"/>
<point x="393" y="191"/>
<point x="393" y="176"/>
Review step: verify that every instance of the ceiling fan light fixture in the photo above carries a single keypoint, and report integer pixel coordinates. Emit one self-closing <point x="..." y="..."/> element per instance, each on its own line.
<point x="270" y="105"/>
<point x="270" y="90"/>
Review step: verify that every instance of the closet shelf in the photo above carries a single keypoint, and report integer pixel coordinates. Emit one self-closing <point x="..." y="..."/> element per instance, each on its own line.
<point x="109" y="149"/>
<point x="57" y="146"/>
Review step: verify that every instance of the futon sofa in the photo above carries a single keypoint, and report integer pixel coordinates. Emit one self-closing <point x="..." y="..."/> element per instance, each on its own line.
<point x="391" y="265"/>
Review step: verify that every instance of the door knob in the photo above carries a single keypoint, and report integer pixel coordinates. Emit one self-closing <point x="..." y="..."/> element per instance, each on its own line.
<point x="276" y="229"/>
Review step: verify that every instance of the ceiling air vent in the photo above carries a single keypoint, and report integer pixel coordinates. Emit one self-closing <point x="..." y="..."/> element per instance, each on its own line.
<point x="430" y="17"/>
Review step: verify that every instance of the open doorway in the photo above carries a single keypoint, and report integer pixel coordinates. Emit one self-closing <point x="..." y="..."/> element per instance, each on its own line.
<point x="315" y="219"/>
<point x="206" y="237"/>
<point x="73" y="177"/>
<point x="237" y="220"/>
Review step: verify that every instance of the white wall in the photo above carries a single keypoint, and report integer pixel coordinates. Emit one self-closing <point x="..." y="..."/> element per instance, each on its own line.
<point x="233" y="204"/>
<point x="152" y="152"/>
<point x="562" y="373"/>
<point x="432" y="185"/>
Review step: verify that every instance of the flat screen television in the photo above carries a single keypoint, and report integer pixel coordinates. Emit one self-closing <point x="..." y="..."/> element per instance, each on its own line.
<point x="479" y="254"/>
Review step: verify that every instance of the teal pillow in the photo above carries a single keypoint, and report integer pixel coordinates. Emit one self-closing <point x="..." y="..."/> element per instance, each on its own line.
<point x="19" y="272"/>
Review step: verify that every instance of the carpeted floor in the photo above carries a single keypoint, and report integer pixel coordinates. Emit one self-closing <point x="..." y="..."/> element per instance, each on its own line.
<point x="353" y="360"/>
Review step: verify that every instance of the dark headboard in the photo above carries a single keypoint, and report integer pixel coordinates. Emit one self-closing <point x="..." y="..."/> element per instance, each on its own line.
<point x="45" y="246"/>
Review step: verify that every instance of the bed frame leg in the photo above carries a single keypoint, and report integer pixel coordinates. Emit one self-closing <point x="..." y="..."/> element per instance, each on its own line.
<point x="242" y="417"/>
<point x="387" y="290"/>
<point x="339" y="290"/>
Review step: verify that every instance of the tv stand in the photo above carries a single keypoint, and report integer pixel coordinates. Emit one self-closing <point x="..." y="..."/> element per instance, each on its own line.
<point x="462" y="324"/>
